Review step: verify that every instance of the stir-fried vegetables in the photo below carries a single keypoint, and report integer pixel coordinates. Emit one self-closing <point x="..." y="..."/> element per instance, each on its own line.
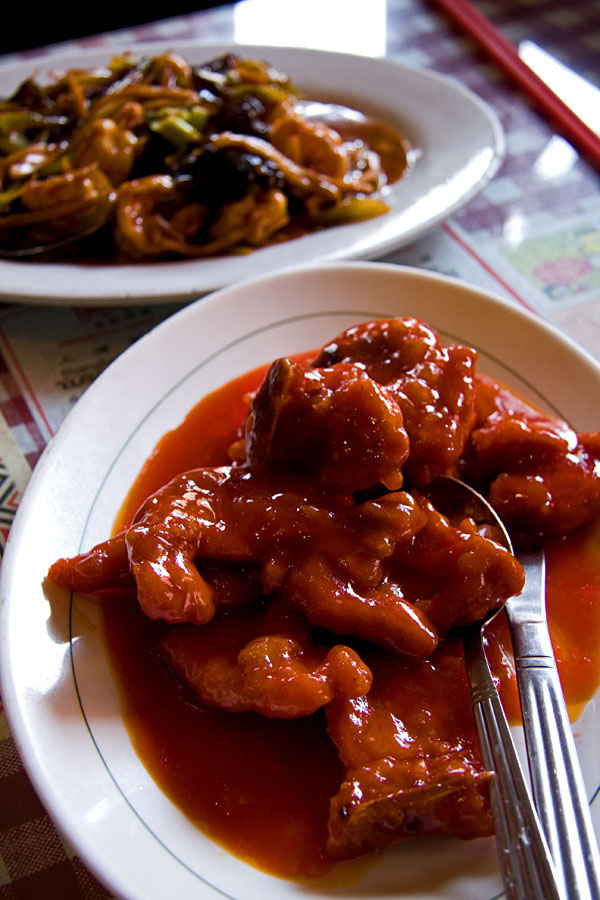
<point x="159" y="158"/>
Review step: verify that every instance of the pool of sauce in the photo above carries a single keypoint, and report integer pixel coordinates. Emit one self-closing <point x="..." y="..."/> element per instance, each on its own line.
<point x="262" y="787"/>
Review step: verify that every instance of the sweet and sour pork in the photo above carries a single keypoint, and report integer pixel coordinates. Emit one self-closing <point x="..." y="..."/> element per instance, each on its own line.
<point x="353" y="582"/>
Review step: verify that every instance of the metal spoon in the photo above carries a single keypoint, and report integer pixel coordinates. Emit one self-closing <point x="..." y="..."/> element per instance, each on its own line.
<point x="556" y="777"/>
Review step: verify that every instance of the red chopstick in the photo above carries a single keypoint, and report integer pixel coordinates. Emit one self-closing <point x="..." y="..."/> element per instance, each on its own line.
<point x="481" y="30"/>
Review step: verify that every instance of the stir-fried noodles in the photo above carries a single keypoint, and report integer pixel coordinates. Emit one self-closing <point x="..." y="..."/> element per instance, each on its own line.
<point x="163" y="159"/>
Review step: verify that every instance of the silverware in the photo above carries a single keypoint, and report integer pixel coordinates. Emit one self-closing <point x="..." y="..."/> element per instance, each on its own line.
<point x="526" y="865"/>
<point x="556" y="777"/>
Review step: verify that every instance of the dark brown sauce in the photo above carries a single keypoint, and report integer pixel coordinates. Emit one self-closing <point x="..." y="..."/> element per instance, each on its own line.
<point x="262" y="787"/>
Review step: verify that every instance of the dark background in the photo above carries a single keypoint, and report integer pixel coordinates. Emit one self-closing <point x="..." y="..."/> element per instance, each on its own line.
<point x="24" y="26"/>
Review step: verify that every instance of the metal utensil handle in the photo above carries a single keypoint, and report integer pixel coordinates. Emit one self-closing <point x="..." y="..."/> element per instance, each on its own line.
<point x="556" y="777"/>
<point x="526" y="864"/>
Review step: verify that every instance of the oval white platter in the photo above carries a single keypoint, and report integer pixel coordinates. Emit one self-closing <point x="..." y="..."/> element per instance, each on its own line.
<point x="458" y="145"/>
<point x="57" y="686"/>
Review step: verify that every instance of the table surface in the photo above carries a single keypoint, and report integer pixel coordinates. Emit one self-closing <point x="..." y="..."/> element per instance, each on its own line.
<point x="532" y="236"/>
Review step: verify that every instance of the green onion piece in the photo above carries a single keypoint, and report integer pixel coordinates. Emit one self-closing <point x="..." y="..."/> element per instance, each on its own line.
<point x="198" y="116"/>
<point x="179" y="126"/>
<point x="176" y="130"/>
<point x="23" y="120"/>
<point x="265" y="92"/>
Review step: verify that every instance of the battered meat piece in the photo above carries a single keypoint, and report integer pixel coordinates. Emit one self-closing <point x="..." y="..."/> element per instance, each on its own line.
<point x="389" y="570"/>
<point x="320" y="551"/>
<point x="411" y="756"/>
<point x="263" y="659"/>
<point x="432" y="384"/>
<point x="453" y="575"/>
<point x="539" y="474"/>
<point x="336" y="424"/>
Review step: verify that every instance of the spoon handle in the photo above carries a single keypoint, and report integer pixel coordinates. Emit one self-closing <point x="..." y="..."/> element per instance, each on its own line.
<point x="556" y="777"/>
<point x="526" y="865"/>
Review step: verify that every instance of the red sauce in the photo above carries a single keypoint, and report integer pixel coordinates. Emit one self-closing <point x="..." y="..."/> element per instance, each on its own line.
<point x="259" y="786"/>
<point x="262" y="787"/>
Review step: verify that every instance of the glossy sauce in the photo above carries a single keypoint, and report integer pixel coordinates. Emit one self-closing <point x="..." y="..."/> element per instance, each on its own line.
<point x="393" y="148"/>
<point x="262" y="787"/>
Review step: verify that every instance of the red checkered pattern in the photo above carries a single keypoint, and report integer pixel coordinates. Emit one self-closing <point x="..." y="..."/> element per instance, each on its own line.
<point x="35" y="864"/>
<point x="18" y="416"/>
<point x="568" y="34"/>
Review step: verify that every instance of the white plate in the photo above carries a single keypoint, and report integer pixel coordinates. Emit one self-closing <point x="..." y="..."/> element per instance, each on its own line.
<point x="458" y="140"/>
<point x="56" y="682"/>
